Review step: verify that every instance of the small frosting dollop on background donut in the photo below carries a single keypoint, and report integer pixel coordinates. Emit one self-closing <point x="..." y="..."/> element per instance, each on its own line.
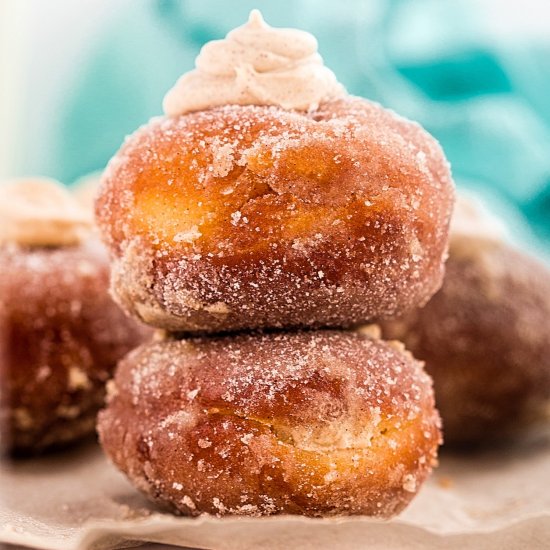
<point x="40" y="212"/>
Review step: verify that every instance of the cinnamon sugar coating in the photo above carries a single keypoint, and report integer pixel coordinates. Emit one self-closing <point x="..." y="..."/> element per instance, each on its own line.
<point x="485" y="338"/>
<point x="246" y="217"/>
<point x="60" y="338"/>
<point x="317" y="423"/>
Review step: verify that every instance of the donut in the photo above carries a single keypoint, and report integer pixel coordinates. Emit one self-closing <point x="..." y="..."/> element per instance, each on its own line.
<point x="317" y="423"/>
<point x="246" y="217"/>
<point x="485" y="339"/>
<point x="60" y="332"/>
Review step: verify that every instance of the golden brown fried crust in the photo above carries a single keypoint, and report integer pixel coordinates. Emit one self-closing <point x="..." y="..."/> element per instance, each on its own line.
<point x="247" y="217"/>
<point x="60" y="338"/>
<point x="485" y="338"/>
<point x="315" y="423"/>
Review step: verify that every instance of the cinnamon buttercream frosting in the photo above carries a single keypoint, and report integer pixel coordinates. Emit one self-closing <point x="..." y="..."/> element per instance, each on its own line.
<point x="40" y="212"/>
<point x="471" y="218"/>
<point x="256" y="65"/>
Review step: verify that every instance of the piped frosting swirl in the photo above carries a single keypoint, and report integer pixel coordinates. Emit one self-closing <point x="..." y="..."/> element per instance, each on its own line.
<point x="256" y="65"/>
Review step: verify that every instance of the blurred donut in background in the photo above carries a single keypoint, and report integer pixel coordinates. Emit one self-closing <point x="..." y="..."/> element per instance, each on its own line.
<point x="60" y="333"/>
<point x="485" y="335"/>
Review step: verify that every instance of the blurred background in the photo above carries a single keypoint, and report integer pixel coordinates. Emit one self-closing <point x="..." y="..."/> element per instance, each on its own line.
<point x="76" y="77"/>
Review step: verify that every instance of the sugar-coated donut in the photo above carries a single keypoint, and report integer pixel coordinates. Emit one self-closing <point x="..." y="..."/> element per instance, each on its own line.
<point x="315" y="423"/>
<point x="60" y="338"/>
<point x="245" y="217"/>
<point x="485" y="337"/>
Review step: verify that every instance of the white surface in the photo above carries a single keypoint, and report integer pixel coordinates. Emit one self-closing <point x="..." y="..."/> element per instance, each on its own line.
<point x="494" y="500"/>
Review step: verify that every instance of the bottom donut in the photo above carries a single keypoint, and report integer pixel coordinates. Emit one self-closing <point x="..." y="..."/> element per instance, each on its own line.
<point x="316" y="423"/>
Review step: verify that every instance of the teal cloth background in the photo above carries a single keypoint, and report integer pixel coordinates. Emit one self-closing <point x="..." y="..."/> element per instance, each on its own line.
<point x="486" y="100"/>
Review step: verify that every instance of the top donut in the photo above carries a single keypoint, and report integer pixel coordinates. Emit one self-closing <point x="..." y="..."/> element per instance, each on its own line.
<point x="242" y="216"/>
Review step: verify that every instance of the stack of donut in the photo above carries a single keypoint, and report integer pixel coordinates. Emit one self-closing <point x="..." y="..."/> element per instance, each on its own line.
<point x="314" y="422"/>
<point x="253" y="235"/>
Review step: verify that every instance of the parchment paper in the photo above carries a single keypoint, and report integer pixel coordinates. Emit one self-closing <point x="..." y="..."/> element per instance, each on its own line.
<point x="76" y="500"/>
